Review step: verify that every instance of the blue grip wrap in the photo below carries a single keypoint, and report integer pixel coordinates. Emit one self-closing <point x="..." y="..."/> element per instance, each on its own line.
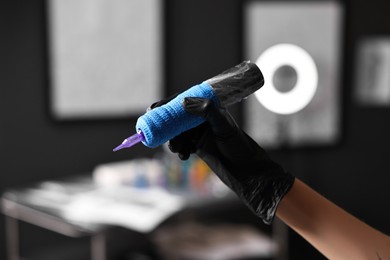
<point x="163" y="123"/>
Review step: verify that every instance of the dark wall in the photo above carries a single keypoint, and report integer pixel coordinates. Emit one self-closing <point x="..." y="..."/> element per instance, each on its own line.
<point x="202" y="38"/>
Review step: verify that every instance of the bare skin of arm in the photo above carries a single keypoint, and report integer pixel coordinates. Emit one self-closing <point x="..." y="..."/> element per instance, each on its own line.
<point x="330" y="229"/>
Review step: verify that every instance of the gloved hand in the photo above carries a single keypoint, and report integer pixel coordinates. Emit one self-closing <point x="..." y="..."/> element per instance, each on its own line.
<point x="234" y="156"/>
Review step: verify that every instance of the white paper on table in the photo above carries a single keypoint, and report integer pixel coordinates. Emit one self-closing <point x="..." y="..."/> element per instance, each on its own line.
<point x="137" y="209"/>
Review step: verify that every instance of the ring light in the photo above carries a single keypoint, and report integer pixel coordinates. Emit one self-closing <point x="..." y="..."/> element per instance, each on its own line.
<point x="307" y="78"/>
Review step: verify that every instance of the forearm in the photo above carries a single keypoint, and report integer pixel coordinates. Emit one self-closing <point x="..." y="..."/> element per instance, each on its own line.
<point x="334" y="232"/>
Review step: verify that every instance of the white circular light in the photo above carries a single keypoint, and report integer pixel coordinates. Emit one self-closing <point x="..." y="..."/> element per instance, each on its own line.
<point x="307" y="78"/>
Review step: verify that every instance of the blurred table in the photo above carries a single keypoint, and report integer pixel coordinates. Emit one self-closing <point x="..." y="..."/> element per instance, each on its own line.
<point x="19" y="204"/>
<point x="78" y="207"/>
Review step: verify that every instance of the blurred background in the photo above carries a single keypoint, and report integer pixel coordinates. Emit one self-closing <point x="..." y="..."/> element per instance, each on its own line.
<point x="195" y="40"/>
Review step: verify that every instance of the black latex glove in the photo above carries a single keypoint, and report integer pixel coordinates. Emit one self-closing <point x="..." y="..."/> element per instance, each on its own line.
<point x="234" y="156"/>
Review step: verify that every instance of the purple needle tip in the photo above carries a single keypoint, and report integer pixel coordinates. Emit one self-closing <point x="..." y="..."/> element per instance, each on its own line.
<point x="130" y="141"/>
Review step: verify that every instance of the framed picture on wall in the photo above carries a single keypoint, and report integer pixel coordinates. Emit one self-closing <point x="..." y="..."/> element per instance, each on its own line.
<point x="105" y="57"/>
<point x="372" y="72"/>
<point x="298" y="47"/>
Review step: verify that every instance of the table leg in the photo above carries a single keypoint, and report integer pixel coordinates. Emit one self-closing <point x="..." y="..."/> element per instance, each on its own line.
<point x="98" y="246"/>
<point x="12" y="236"/>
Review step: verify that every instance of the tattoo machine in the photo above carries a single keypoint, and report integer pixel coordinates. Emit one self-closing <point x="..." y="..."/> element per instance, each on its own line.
<point x="163" y="123"/>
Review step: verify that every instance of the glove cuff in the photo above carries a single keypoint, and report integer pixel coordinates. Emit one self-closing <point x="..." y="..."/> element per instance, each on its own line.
<point x="266" y="194"/>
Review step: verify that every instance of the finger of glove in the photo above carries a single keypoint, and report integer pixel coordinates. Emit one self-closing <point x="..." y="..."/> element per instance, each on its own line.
<point x="162" y="102"/>
<point x="178" y="146"/>
<point x="186" y="143"/>
<point x="220" y="121"/>
<point x="175" y="146"/>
